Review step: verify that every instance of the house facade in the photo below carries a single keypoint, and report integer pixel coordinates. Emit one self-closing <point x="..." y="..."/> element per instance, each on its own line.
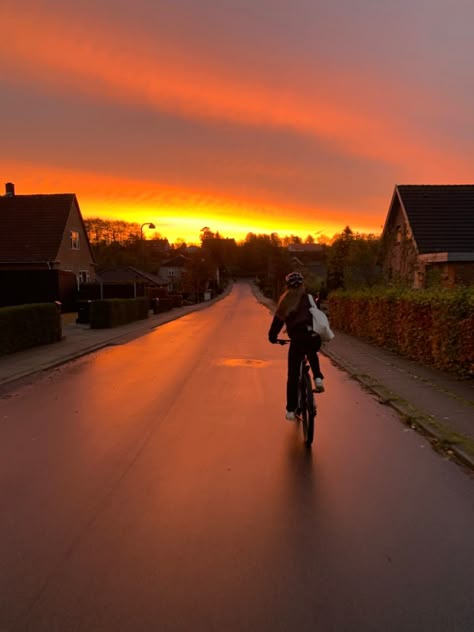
<point x="172" y="271"/>
<point x="310" y="256"/>
<point x="44" y="232"/>
<point x="429" y="235"/>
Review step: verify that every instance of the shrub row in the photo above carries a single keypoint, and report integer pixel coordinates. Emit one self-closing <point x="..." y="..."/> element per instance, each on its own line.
<point x="177" y="299"/>
<point x="25" y="326"/>
<point x="434" y="327"/>
<point x="113" y="312"/>
<point x="163" y="305"/>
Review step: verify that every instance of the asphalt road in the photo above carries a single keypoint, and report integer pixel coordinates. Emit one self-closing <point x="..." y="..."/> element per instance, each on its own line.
<point x="157" y="486"/>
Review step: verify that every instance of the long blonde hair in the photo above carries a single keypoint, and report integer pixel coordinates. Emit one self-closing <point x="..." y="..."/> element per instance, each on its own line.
<point x="289" y="301"/>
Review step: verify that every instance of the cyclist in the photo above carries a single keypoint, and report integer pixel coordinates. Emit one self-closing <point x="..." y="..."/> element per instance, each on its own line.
<point x="293" y="311"/>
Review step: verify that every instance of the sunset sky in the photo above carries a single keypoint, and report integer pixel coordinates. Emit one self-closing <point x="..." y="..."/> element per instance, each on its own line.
<point x="288" y="116"/>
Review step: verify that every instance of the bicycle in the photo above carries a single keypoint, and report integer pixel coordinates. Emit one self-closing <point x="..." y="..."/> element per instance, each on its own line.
<point x="307" y="408"/>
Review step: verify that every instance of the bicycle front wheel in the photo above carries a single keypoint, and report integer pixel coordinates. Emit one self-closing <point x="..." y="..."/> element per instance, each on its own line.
<point x="308" y="409"/>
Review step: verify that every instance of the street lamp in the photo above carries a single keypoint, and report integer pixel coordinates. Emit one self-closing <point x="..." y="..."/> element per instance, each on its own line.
<point x="149" y="224"/>
<point x="142" y="244"/>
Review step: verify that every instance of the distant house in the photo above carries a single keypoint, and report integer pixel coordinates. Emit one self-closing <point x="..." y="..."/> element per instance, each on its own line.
<point x="172" y="270"/>
<point x="306" y="249"/>
<point x="156" y="247"/>
<point x="128" y="274"/>
<point x="310" y="256"/>
<point x="429" y="234"/>
<point x="44" y="232"/>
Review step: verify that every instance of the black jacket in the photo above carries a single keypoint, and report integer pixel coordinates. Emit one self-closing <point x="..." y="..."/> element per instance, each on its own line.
<point x="298" y="322"/>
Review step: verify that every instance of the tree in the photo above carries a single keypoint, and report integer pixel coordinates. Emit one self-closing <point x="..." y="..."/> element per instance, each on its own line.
<point x="222" y="251"/>
<point x="118" y="243"/>
<point x="353" y="260"/>
<point x="109" y="231"/>
<point x="198" y="273"/>
<point x="291" y="239"/>
<point x="206" y="233"/>
<point x="362" y="267"/>
<point x="338" y="258"/>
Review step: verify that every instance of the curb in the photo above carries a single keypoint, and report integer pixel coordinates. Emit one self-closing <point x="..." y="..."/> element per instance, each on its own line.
<point x="409" y="414"/>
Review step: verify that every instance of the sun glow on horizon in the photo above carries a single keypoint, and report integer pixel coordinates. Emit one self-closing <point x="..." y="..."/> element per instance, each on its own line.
<point x="182" y="213"/>
<point x="186" y="224"/>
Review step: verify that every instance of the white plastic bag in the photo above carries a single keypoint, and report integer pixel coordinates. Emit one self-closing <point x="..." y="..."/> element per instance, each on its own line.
<point x="320" y="321"/>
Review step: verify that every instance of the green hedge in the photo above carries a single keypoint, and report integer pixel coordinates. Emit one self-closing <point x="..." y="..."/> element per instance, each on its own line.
<point x="434" y="327"/>
<point x="25" y="326"/>
<point x="113" y="312"/>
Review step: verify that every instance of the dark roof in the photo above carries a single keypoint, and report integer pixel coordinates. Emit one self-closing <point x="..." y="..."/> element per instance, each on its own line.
<point x="32" y="226"/>
<point x="123" y="274"/>
<point x="176" y="262"/>
<point x="441" y="216"/>
<point x="308" y="248"/>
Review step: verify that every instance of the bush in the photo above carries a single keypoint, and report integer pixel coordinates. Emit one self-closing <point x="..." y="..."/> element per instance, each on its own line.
<point x="434" y="326"/>
<point x="25" y="326"/>
<point x="176" y="300"/>
<point x="113" y="312"/>
<point x="165" y="304"/>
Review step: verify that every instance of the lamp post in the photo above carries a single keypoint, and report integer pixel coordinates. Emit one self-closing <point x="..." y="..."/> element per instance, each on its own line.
<point x="150" y="225"/>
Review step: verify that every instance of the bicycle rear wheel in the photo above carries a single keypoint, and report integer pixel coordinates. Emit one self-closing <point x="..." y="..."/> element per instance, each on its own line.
<point x="308" y="409"/>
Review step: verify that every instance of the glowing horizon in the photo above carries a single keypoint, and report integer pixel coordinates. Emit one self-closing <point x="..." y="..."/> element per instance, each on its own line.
<point x="178" y="214"/>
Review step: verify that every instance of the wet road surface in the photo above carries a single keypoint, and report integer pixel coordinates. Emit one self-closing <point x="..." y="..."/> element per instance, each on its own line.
<point x="157" y="486"/>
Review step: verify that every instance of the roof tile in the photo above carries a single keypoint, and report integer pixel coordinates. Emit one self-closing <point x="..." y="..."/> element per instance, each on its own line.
<point x="32" y="226"/>
<point x="441" y="216"/>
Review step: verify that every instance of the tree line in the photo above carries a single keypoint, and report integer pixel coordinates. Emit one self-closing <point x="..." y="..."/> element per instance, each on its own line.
<point x="349" y="260"/>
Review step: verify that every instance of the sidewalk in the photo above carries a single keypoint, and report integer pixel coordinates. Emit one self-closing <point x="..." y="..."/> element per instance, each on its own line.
<point x="79" y="340"/>
<point x="434" y="402"/>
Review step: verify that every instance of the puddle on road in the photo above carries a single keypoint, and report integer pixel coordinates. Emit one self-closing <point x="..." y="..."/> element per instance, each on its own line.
<point x="242" y="362"/>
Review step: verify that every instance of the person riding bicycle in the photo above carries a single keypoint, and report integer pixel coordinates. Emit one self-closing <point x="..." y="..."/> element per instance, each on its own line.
<point x="293" y="311"/>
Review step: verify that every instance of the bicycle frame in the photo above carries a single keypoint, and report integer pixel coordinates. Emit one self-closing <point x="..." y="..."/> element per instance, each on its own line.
<point x="306" y="411"/>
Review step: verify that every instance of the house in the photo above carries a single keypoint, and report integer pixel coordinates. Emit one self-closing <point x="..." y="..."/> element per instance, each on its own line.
<point x="429" y="235"/>
<point x="310" y="256"/>
<point x="121" y="282"/>
<point x="44" y="232"/>
<point x="128" y="274"/>
<point x="172" y="271"/>
<point x="192" y="273"/>
<point x="156" y="247"/>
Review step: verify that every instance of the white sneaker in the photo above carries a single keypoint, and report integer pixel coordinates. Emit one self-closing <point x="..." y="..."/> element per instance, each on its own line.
<point x="290" y="415"/>
<point x="318" y="385"/>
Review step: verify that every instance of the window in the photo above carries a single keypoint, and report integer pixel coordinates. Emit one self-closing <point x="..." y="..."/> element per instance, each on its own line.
<point x="84" y="276"/>
<point x="398" y="236"/>
<point x="75" y="239"/>
<point x="171" y="273"/>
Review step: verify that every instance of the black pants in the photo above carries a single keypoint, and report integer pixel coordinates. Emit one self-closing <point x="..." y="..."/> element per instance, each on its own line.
<point x="306" y="344"/>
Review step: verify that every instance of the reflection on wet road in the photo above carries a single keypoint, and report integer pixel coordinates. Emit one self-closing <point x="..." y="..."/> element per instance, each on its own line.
<point x="157" y="486"/>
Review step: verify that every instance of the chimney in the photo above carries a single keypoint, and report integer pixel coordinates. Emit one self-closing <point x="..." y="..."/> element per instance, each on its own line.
<point x="9" y="189"/>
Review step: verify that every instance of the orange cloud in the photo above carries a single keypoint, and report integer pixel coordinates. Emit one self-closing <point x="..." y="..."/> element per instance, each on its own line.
<point x="108" y="61"/>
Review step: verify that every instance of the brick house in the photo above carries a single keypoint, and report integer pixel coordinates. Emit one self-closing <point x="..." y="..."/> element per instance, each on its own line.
<point x="429" y="235"/>
<point x="44" y="232"/>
